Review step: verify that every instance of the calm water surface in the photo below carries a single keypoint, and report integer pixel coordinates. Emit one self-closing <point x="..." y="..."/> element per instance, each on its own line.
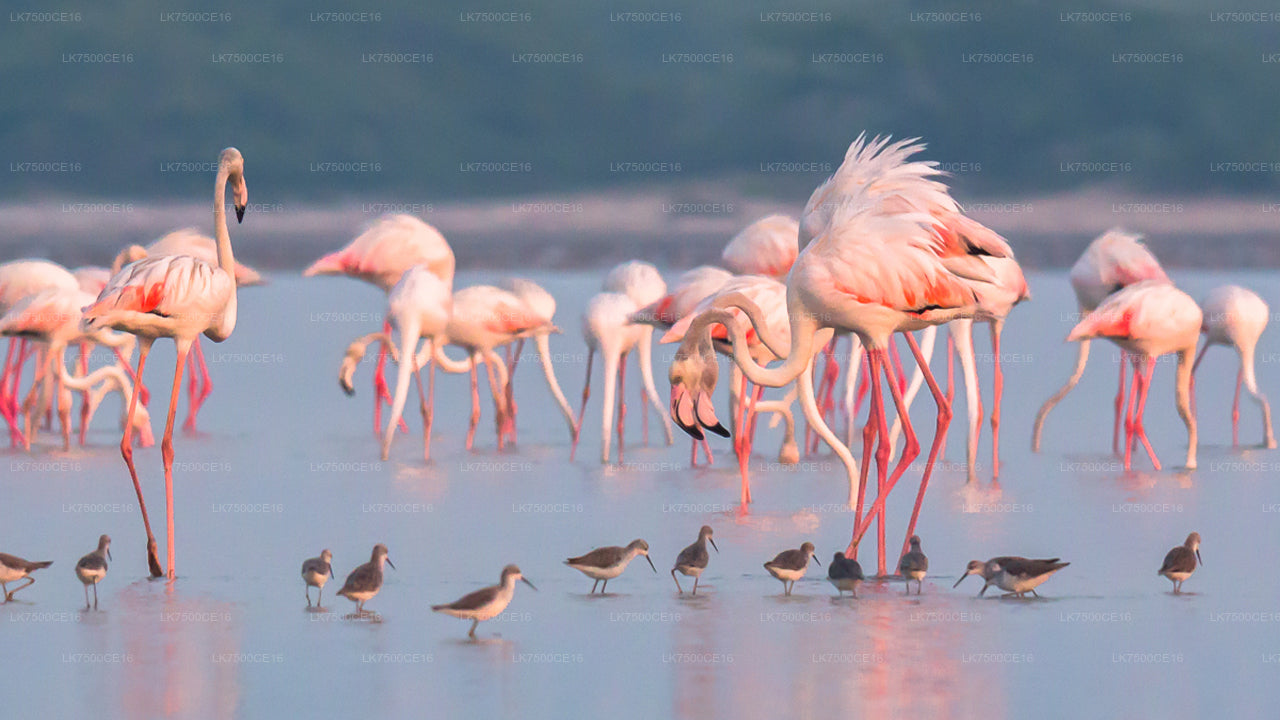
<point x="289" y="466"/>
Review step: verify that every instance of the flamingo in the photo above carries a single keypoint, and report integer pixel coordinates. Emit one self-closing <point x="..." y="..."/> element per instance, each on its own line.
<point x="770" y="296"/>
<point x="681" y="298"/>
<point x="1147" y="320"/>
<point x="1113" y="261"/>
<point x="52" y="318"/>
<point x="878" y="266"/>
<point x="644" y="285"/>
<point x="188" y="241"/>
<point x="541" y="302"/>
<point x="766" y="247"/>
<point x="19" y="279"/>
<point x="1236" y="316"/>
<point x="110" y="378"/>
<point x="178" y="297"/>
<point x="380" y="255"/>
<point x="418" y="307"/>
<point x="607" y="330"/>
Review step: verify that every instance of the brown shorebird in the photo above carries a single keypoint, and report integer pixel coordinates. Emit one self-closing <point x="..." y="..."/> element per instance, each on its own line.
<point x="1015" y="575"/>
<point x="914" y="566"/>
<point x="92" y="568"/>
<point x="365" y="581"/>
<point x="845" y="574"/>
<point x="791" y="565"/>
<point x="485" y="603"/>
<point x="607" y="563"/>
<point x="1181" y="561"/>
<point x="693" y="560"/>
<point x="316" y="572"/>
<point x="14" y="568"/>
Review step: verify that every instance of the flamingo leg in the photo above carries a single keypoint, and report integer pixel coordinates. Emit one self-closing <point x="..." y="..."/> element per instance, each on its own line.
<point x="1196" y="366"/>
<point x="879" y="364"/>
<point x="82" y="364"/>
<point x="497" y="388"/>
<point x="63" y="403"/>
<point x="868" y="439"/>
<point x="381" y="392"/>
<point x="939" y="438"/>
<point x="126" y="451"/>
<point x="1043" y="413"/>
<point x="997" y="384"/>
<point x="622" y="401"/>
<point x="166" y="448"/>
<point x="742" y="445"/>
<point x="1139" y="428"/>
<point x="1251" y="384"/>
<point x="1115" y="433"/>
<point x="425" y="406"/>
<point x="1235" y="411"/>
<point x="1131" y="404"/>
<point x="475" y="404"/>
<point x="200" y="388"/>
<point x="586" y="393"/>
<point x="128" y="368"/>
<point x="897" y="366"/>
<point x="510" y="389"/>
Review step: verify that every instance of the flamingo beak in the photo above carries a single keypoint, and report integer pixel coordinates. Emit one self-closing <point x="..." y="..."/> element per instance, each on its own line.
<point x="705" y="412"/>
<point x="684" y="413"/>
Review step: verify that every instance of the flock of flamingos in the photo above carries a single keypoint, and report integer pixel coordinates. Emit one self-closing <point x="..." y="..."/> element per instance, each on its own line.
<point x="881" y="249"/>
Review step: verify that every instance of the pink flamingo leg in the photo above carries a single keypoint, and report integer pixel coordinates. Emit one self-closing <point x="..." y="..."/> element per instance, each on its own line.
<point x="82" y="364"/>
<point x="742" y="444"/>
<point x="880" y="364"/>
<point x="939" y="437"/>
<point x="1115" y="434"/>
<point x="133" y="378"/>
<point x="868" y="439"/>
<point x="381" y="392"/>
<point x="427" y="404"/>
<point x="644" y="415"/>
<point x="126" y="451"/>
<point x="622" y="400"/>
<point x="1130" y="406"/>
<point x="166" y="451"/>
<point x="706" y="450"/>
<point x="1139" y="428"/>
<point x="475" y="405"/>
<point x="1235" y="411"/>
<point x="513" y="360"/>
<point x="951" y="383"/>
<point x="10" y="417"/>
<point x="997" y="394"/>
<point x="897" y="366"/>
<point x="863" y="387"/>
<point x="499" y="407"/>
<point x="1196" y="366"/>
<point x="197" y="397"/>
<point x="582" y="411"/>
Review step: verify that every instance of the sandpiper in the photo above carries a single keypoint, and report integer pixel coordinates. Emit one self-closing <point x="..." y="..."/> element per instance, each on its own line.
<point x="365" y="581"/>
<point x="1181" y="561"/>
<point x="607" y="563"/>
<point x="485" y="603"/>
<point x="92" y="568"/>
<point x="1015" y="575"/>
<point x="693" y="560"/>
<point x="790" y="565"/>
<point x="13" y="569"/>
<point x="845" y="574"/>
<point x="316" y="572"/>
<point x="914" y="566"/>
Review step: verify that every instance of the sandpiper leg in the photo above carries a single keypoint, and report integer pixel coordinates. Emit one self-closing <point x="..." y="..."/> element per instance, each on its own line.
<point x="318" y="596"/>
<point x="677" y="581"/>
<point x="472" y="632"/>
<point x="9" y="596"/>
<point x="695" y="583"/>
<point x="308" y="596"/>
<point x="95" y="596"/>
<point x="604" y="588"/>
<point x="86" y="597"/>
<point x="1033" y="592"/>
<point x="593" y="587"/>
<point x="5" y="589"/>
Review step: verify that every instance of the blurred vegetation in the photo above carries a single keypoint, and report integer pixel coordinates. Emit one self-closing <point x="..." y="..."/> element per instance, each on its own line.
<point x="420" y="122"/>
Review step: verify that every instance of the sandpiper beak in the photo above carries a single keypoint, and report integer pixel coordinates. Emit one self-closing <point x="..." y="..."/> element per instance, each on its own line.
<point x="109" y="555"/>
<point x="526" y="582"/>
<point x="713" y="543"/>
<point x="815" y="559"/>
<point x="393" y="565"/>
<point x="646" y="557"/>
<point x="1198" y="556"/>
<point x="962" y="577"/>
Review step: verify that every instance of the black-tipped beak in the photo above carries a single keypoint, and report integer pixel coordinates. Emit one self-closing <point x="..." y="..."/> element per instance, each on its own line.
<point x="1198" y="556"/>
<point x="655" y="569"/>
<point x="815" y="559"/>
<point x="393" y="565"/>
<point x="719" y="430"/>
<point x="239" y="213"/>
<point x="526" y="582"/>
<point x="962" y="577"/>
<point x="713" y="543"/>
<point x="347" y="387"/>
<point x="109" y="555"/>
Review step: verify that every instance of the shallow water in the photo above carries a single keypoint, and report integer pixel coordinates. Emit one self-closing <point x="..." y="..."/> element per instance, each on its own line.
<point x="288" y="466"/>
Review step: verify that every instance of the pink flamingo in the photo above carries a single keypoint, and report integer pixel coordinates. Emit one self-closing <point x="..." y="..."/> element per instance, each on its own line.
<point x="642" y="282"/>
<point x="189" y="241"/>
<point x="1235" y="316"/>
<point x="419" y="307"/>
<point x="681" y="298"/>
<point x="878" y="267"/>
<point x="770" y="296"/>
<point x="1113" y="261"/>
<point x="179" y="297"/>
<point x="1147" y="320"/>
<point x="380" y="255"/>
<point x="766" y="247"/>
<point x="606" y="329"/>
<point x="541" y="302"/>
<point x="19" y="279"/>
<point x="52" y="317"/>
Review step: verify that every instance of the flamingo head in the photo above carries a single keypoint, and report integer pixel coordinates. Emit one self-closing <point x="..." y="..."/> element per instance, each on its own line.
<point x="693" y="376"/>
<point x="233" y="162"/>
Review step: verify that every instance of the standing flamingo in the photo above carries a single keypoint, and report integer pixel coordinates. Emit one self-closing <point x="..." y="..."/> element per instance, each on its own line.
<point x="188" y="241"/>
<point x="681" y="298"/>
<point x="179" y="297"/>
<point x="607" y="331"/>
<point x="1113" y="261"/>
<point x="878" y="267"/>
<point x="1147" y="320"/>
<point x="19" y="279"/>
<point x="1236" y="316"/>
<point x="541" y="302"/>
<point x="418" y="307"/>
<point x="642" y="282"/>
<point x="766" y="247"/>
<point x="380" y="255"/>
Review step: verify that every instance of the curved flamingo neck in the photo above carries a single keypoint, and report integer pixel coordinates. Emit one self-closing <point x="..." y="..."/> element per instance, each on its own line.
<point x="796" y="357"/>
<point x="223" y="327"/>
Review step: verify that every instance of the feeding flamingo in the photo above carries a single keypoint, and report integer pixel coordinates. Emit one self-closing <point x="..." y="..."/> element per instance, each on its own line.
<point x="1147" y="320"/>
<point x="19" y="279"/>
<point x="1113" y="261"/>
<point x="541" y="302"/>
<point x="607" y="331"/>
<point x="178" y="297"/>
<point x="642" y="282"/>
<point x="418" y="307"/>
<point x="878" y="267"/>
<point x="380" y="255"/>
<point x="1236" y="317"/>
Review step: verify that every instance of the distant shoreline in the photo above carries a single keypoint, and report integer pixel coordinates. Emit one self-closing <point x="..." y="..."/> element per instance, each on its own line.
<point x="596" y="230"/>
